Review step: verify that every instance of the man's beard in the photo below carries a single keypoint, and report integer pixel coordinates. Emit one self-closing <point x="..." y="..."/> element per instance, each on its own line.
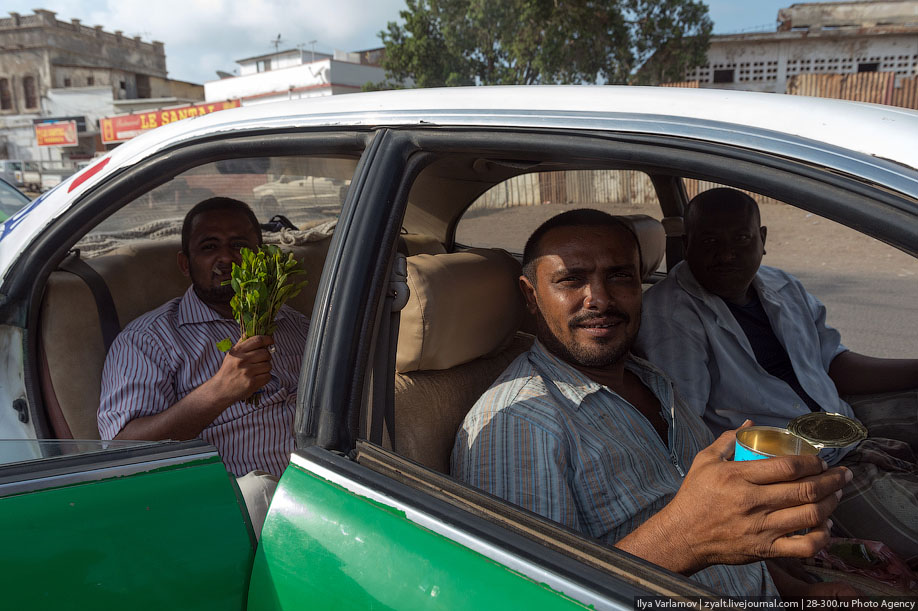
<point x="577" y="354"/>
<point x="214" y="294"/>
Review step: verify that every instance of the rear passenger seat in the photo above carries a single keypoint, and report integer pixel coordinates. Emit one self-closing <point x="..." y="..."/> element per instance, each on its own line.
<point x="141" y="276"/>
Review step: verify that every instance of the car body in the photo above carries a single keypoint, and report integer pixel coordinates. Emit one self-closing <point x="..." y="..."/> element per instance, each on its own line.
<point x="365" y="515"/>
<point x="11" y="199"/>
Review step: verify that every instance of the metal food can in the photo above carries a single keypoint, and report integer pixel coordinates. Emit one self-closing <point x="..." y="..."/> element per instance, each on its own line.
<point x="828" y="430"/>
<point x="757" y="442"/>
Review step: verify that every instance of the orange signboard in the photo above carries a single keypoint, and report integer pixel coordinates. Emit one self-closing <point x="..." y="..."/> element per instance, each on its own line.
<point x="125" y="127"/>
<point x="58" y="133"/>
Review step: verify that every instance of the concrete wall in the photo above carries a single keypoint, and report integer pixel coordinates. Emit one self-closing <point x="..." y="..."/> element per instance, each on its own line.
<point x="60" y="52"/>
<point x="166" y="88"/>
<point x="764" y="62"/>
<point x="840" y="14"/>
<point x="315" y="79"/>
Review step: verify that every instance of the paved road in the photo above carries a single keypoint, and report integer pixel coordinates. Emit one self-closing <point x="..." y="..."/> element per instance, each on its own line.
<point x="876" y="315"/>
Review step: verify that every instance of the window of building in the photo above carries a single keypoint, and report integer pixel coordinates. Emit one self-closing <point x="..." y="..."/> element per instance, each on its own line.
<point x="143" y="86"/>
<point x="263" y="65"/>
<point x="90" y="81"/>
<point x="723" y="76"/>
<point x="868" y="67"/>
<point x="67" y="82"/>
<point x="6" y="99"/>
<point x="28" y="90"/>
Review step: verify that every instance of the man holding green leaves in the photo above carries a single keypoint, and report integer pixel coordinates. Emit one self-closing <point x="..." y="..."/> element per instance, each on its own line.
<point x="165" y="378"/>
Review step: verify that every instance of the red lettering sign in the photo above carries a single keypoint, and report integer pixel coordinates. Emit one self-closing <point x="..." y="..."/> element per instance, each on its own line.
<point x="59" y="133"/>
<point x="125" y="127"/>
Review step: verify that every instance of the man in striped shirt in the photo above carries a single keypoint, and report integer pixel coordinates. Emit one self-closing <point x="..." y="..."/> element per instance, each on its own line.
<point x="583" y="433"/>
<point x="164" y="377"/>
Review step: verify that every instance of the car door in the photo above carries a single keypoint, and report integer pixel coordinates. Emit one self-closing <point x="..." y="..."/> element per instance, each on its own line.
<point x="122" y="524"/>
<point x="369" y="528"/>
<point x="354" y="525"/>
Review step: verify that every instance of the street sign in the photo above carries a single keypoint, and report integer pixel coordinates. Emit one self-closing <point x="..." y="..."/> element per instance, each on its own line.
<point x="125" y="127"/>
<point x="58" y="133"/>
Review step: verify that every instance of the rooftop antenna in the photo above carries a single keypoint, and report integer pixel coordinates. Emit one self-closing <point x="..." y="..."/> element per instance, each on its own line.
<point x="276" y="42"/>
<point x="312" y="43"/>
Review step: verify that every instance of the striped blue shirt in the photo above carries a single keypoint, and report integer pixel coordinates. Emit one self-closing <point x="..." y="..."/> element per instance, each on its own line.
<point x="549" y="439"/>
<point x="165" y="354"/>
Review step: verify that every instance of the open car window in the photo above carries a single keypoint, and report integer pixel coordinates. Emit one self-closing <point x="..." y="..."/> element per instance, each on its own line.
<point x="507" y="213"/>
<point x="868" y="287"/>
<point x="307" y="191"/>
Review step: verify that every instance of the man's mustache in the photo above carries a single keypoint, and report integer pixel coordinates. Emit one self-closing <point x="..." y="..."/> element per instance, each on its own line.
<point x="611" y="313"/>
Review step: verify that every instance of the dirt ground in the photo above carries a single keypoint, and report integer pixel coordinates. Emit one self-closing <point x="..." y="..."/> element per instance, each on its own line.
<point x="796" y="239"/>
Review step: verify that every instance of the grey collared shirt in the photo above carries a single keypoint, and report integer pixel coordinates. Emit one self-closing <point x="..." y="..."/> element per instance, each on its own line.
<point x="691" y="335"/>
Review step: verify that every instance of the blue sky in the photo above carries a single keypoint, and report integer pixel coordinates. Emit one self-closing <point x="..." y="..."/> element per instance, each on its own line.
<point x="203" y="36"/>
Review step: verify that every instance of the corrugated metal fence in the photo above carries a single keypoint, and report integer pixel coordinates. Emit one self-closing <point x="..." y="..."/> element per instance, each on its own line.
<point x="872" y="87"/>
<point x="584" y="187"/>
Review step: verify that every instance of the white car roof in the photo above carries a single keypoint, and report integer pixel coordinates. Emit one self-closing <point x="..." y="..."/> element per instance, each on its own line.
<point x="880" y="131"/>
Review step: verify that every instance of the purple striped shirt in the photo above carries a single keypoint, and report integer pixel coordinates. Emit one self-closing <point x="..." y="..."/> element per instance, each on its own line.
<point x="165" y="354"/>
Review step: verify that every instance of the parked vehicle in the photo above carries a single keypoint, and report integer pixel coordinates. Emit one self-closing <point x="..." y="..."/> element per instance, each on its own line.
<point x="11" y="199"/>
<point x="33" y="175"/>
<point x="366" y="514"/>
<point x="11" y="170"/>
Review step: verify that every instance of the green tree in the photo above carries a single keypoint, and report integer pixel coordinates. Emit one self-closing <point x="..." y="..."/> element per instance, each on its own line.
<point x="525" y="42"/>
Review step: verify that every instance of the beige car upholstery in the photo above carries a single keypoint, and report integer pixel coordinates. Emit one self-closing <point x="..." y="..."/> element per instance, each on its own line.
<point x="140" y="277"/>
<point x="652" y="240"/>
<point x="456" y="335"/>
<point x="459" y="331"/>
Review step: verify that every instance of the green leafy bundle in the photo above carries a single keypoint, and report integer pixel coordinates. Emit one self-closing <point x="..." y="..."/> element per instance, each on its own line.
<point x="261" y="285"/>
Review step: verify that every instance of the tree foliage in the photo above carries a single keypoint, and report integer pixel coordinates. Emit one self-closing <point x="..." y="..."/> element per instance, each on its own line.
<point x="525" y="42"/>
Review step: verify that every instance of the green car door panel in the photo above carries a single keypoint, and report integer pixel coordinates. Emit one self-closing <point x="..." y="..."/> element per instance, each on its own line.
<point x="142" y="533"/>
<point x="325" y="546"/>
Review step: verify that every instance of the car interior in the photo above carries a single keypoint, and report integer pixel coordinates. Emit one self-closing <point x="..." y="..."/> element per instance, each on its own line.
<point x="449" y="350"/>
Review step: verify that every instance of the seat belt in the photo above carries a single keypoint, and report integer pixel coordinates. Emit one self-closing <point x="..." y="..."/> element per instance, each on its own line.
<point x="105" y="305"/>
<point x="395" y="300"/>
<point x="675" y="229"/>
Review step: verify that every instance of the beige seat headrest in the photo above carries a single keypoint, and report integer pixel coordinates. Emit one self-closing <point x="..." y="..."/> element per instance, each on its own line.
<point x="651" y="238"/>
<point x="462" y="306"/>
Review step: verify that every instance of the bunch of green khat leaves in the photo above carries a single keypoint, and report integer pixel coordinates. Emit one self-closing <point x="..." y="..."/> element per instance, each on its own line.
<point x="262" y="284"/>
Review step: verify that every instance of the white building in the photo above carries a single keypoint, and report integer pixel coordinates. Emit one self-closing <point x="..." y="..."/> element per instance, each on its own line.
<point x="828" y="38"/>
<point x="295" y="73"/>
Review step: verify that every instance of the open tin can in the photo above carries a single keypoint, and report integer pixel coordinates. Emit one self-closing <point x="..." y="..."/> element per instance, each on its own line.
<point x="804" y="435"/>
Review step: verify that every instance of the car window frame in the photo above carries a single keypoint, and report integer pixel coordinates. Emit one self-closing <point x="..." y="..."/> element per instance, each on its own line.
<point x="30" y="271"/>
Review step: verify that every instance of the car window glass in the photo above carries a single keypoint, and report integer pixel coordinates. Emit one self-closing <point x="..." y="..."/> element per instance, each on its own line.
<point x="307" y="191"/>
<point x="869" y="288"/>
<point x="506" y="214"/>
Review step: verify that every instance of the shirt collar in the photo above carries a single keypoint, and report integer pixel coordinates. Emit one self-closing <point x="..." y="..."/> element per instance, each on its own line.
<point x="193" y="311"/>
<point x="576" y="386"/>
<point x="690" y="285"/>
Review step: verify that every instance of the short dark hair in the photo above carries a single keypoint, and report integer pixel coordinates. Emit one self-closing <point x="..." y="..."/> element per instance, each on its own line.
<point x="581" y="217"/>
<point x="722" y="196"/>
<point x="217" y="203"/>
